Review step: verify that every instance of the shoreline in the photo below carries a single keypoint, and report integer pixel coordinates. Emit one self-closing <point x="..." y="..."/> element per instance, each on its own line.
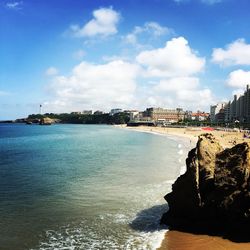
<point x="177" y="240"/>
<point x="226" y="138"/>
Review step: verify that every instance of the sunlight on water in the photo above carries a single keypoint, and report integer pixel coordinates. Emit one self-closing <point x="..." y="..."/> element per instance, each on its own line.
<point x="84" y="187"/>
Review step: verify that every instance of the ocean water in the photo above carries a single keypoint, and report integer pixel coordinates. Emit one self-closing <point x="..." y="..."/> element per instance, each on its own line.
<point x="84" y="186"/>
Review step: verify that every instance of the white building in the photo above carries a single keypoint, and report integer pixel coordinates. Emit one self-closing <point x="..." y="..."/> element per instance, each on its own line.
<point x="115" y="111"/>
<point x="217" y="110"/>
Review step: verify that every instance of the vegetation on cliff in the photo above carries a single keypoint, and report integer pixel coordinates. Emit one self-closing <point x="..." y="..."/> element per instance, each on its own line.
<point x="120" y="118"/>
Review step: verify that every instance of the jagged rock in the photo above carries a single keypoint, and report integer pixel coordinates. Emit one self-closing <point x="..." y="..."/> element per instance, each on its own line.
<point x="215" y="189"/>
<point x="46" y="121"/>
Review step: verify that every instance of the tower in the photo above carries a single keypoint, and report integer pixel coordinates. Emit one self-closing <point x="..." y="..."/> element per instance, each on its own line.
<point x="40" y="110"/>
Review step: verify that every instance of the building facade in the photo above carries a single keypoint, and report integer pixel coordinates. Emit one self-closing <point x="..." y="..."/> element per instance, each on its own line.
<point x="237" y="110"/>
<point x="115" y="111"/>
<point x="168" y="115"/>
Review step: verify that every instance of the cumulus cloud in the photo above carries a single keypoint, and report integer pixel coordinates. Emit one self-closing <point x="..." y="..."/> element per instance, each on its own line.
<point x="238" y="92"/>
<point x="97" y="86"/>
<point x="51" y="71"/>
<point x="14" y="5"/>
<point x="162" y="77"/>
<point x="238" y="79"/>
<point x="104" y="23"/>
<point x="175" y="65"/>
<point x="177" y="83"/>
<point x="236" y="53"/>
<point x="184" y="92"/>
<point x="149" y="28"/>
<point x="175" y="59"/>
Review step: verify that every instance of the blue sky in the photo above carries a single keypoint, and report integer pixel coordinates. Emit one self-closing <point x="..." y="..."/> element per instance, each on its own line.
<point x="89" y="54"/>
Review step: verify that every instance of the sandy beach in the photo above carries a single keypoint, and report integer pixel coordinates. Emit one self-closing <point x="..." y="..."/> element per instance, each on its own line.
<point x="227" y="139"/>
<point x="176" y="240"/>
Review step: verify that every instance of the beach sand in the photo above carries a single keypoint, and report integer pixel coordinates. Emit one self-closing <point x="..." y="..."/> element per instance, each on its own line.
<point x="227" y="139"/>
<point x="176" y="240"/>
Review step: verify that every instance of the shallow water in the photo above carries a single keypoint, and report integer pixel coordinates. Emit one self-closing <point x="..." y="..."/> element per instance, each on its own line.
<point x="84" y="187"/>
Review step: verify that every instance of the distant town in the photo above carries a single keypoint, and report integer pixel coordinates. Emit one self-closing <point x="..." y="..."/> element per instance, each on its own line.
<point x="235" y="113"/>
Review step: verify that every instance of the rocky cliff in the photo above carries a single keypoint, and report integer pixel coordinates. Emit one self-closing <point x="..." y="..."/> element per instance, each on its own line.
<point x="46" y="121"/>
<point x="214" y="193"/>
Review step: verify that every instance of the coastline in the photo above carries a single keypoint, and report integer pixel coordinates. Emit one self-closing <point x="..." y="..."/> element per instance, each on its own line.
<point x="226" y="138"/>
<point x="177" y="240"/>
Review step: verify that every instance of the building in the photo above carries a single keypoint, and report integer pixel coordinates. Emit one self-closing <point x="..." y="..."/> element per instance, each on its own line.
<point x="167" y="115"/>
<point x="217" y="113"/>
<point x="115" y="111"/>
<point x="98" y="112"/>
<point x="76" y="113"/>
<point x="133" y="114"/>
<point x="236" y="110"/>
<point x="87" y="112"/>
<point x="199" y="116"/>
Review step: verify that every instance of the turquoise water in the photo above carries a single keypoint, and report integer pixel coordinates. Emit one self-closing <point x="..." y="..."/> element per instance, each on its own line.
<point x="84" y="187"/>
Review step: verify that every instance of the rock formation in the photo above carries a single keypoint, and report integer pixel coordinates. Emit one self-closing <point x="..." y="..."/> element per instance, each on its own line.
<point x="46" y="121"/>
<point x="214" y="192"/>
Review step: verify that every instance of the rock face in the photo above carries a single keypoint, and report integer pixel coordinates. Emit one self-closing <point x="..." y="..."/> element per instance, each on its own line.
<point x="215" y="189"/>
<point x="46" y="121"/>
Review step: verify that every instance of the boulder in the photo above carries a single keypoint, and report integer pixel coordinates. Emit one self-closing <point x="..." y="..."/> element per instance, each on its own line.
<point x="214" y="192"/>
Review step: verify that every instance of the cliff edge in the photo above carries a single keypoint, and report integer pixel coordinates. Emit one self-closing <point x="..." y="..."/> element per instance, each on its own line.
<point x="213" y="195"/>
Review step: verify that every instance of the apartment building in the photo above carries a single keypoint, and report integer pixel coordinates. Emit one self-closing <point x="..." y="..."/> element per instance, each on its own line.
<point x="236" y="110"/>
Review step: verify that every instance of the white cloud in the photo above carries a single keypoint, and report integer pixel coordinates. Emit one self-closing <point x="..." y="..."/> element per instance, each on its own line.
<point x="100" y="86"/>
<point x="156" y="29"/>
<point x="185" y="92"/>
<point x="175" y="65"/>
<point x="79" y="54"/>
<point x="236" y="53"/>
<point x="104" y="23"/>
<point x="238" y="79"/>
<point x="120" y="83"/>
<point x="14" y="5"/>
<point x="238" y="92"/>
<point x="150" y="28"/>
<point x="131" y="38"/>
<point x="175" y="59"/>
<point x="51" y="71"/>
<point x="177" y="84"/>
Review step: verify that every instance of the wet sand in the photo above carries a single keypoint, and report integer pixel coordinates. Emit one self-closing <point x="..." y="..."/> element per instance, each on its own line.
<point x="175" y="240"/>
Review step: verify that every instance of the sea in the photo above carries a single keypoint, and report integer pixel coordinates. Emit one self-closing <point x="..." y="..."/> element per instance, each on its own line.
<point x="85" y="186"/>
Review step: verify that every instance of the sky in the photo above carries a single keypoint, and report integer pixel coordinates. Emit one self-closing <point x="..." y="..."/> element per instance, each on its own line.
<point x="129" y="54"/>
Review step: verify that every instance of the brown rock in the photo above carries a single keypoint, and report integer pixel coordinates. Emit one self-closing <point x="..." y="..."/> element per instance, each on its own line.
<point x="46" y="121"/>
<point x="215" y="188"/>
